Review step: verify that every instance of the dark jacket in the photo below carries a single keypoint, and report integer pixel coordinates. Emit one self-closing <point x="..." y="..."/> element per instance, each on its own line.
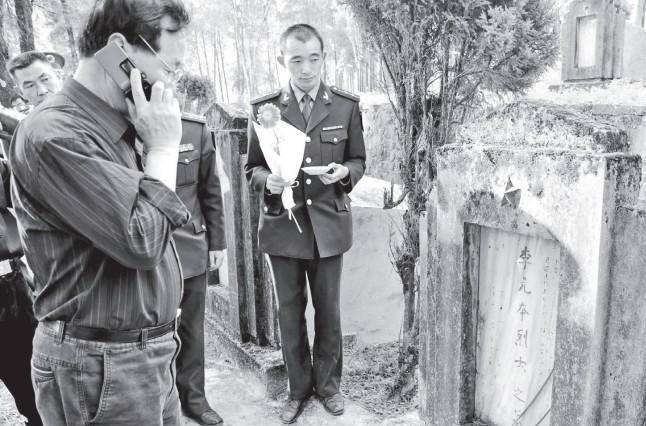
<point x="198" y="186"/>
<point x="335" y="134"/>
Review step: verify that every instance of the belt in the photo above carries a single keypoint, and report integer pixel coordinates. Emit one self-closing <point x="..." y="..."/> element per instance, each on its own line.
<point x="116" y="336"/>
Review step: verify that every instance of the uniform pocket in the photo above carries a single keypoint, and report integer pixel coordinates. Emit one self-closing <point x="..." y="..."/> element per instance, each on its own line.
<point x="95" y="385"/>
<point x="343" y="204"/>
<point x="335" y="136"/>
<point x="333" y="145"/>
<point x="188" y="166"/>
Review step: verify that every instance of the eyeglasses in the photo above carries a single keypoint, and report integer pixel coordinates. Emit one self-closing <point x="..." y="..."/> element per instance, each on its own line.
<point x="175" y="74"/>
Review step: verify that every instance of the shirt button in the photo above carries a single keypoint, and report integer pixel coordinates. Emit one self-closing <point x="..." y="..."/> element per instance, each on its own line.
<point x="335" y="140"/>
<point x="308" y="181"/>
<point x="308" y="139"/>
<point x="186" y="160"/>
<point x="308" y="160"/>
<point x="204" y="227"/>
<point x="266" y="209"/>
<point x="309" y="202"/>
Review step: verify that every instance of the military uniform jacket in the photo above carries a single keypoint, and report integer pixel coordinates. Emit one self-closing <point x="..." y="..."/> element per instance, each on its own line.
<point x="334" y="134"/>
<point x="198" y="186"/>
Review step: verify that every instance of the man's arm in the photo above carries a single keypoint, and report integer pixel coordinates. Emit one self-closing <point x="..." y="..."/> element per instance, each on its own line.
<point x="210" y="193"/>
<point x="124" y="213"/>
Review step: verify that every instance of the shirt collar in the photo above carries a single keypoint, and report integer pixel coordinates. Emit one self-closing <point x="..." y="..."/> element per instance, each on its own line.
<point x="299" y="93"/>
<point x="111" y="120"/>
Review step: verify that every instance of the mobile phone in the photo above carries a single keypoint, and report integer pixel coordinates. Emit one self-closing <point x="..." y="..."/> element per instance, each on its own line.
<point x="118" y="65"/>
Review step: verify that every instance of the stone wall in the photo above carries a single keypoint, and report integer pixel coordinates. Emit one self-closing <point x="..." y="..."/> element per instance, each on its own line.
<point x="382" y="145"/>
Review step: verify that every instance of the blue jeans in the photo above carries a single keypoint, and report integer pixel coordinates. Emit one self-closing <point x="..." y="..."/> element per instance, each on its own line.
<point x="81" y="382"/>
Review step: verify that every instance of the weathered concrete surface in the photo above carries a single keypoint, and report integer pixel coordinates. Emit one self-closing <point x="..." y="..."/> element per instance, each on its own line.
<point x="624" y="378"/>
<point x="265" y="363"/>
<point x="371" y="292"/>
<point x="540" y="124"/>
<point x="567" y="196"/>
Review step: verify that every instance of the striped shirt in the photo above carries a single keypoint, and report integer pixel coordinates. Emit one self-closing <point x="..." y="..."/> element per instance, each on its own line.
<point x="96" y="230"/>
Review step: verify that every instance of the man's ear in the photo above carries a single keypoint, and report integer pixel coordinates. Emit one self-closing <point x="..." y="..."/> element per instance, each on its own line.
<point x="281" y="60"/>
<point x="118" y="38"/>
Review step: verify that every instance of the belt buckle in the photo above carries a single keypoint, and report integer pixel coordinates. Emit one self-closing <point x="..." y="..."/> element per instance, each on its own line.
<point x="5" y="267"/>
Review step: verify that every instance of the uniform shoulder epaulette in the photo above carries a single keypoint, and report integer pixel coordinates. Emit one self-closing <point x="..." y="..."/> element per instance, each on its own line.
<point x="266" y="97"/>
<point x="194" y="117"/>
<point x="345" y="94"/>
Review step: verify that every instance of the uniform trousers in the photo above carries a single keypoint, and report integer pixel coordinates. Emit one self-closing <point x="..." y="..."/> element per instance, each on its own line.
<point x="190" y="362"/>
<point x="318" y="371"/>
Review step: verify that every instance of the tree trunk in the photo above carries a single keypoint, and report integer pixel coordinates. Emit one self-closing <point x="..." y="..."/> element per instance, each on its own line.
<point x="6" y="82"/>
<point x="70" y="34"/>
<point x="25" y="24"/>
<point x="224" y="73"/>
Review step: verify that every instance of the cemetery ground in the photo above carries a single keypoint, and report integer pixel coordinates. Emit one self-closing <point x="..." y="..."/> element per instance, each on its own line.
<point x="240" y="397"/>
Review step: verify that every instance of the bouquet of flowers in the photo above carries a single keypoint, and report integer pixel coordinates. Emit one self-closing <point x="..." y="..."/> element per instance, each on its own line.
<point x="283" y="146"/>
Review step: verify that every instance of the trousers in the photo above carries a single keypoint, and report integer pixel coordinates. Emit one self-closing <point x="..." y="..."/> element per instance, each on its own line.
<point x="82" y="382"/>
<point x="190" y="362"/>
<point x="17" y="326"/>
<point x="320" y="370"/>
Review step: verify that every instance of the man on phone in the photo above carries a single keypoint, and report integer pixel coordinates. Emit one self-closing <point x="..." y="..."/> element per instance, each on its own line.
<point x="97" y="225"/>
<point x="332" y="121"/>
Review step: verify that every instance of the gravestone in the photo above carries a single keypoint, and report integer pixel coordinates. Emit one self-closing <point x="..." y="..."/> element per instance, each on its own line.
<point x="530" y="297"/>
<point x="602" y="41"/>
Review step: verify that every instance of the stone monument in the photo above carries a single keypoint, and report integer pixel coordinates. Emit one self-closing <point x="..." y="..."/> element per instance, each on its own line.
<point x="530" y="313"/>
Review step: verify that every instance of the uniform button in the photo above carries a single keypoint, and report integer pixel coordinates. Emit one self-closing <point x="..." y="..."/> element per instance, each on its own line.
<point x="335" y="140"/>
<point x="308" y="160"/>
<point x="309" y="202"/>
<point x="266" y="209"/>
<point x="308" y="181"/>
<point x="186" y="160"/>
<point x="204" y="227"/>
<point x="308" y="139"/>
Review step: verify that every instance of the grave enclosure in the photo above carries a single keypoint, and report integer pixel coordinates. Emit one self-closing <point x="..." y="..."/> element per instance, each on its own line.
<point x="532" y="303"/>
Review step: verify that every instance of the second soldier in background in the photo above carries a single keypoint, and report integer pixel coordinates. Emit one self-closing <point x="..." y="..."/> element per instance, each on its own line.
<point x="200" y="244"/>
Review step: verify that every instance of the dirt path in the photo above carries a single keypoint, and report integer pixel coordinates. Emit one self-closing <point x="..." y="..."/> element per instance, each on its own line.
<point x="240" y="400"/>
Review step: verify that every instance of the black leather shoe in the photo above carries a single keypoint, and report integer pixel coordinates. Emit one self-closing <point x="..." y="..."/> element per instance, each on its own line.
<point x="334" y="404"/>
<point x="292" y="409"/>
<point x="209" y="417"/>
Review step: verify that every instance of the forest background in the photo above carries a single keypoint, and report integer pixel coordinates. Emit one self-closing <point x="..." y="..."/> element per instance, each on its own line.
<point x="232" y="43"/>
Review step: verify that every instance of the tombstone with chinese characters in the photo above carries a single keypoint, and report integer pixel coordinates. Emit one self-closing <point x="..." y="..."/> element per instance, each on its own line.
<point x="532" y="303"/>
<point x="604" y="39"/>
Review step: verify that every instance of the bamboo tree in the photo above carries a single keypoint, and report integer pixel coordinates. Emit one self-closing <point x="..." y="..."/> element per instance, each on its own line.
<point x="70" y="33"/>
<point x="25" y="24"/>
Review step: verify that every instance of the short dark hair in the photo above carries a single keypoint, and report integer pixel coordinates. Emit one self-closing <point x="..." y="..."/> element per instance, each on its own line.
<point x="130" y="18"/>
<point x="25" y="59"/>
<point x="302" y="32"/>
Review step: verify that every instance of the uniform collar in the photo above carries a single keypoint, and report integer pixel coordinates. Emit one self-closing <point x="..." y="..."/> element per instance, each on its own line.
<point x="298" y="93"/>
<point x="290" y="91"/>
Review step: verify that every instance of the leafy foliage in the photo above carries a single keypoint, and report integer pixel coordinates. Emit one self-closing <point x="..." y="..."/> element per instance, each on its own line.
<point x="442" y="57"/>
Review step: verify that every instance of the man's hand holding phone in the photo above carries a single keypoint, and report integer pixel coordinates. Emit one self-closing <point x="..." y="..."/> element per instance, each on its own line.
<point x="159" y="126"/>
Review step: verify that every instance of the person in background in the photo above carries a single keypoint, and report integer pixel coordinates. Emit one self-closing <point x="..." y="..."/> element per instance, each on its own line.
<point x="35" y="74"/>
<point x="200" y="245"/>
<point x="97" y="226"/>
<point x="20" y="104"/>
<point x="332" y="121"/>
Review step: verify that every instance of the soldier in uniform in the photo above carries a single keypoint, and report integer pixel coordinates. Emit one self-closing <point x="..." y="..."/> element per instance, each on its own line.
<point x="332" y="121"/>
<point x="200" y="244"/>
